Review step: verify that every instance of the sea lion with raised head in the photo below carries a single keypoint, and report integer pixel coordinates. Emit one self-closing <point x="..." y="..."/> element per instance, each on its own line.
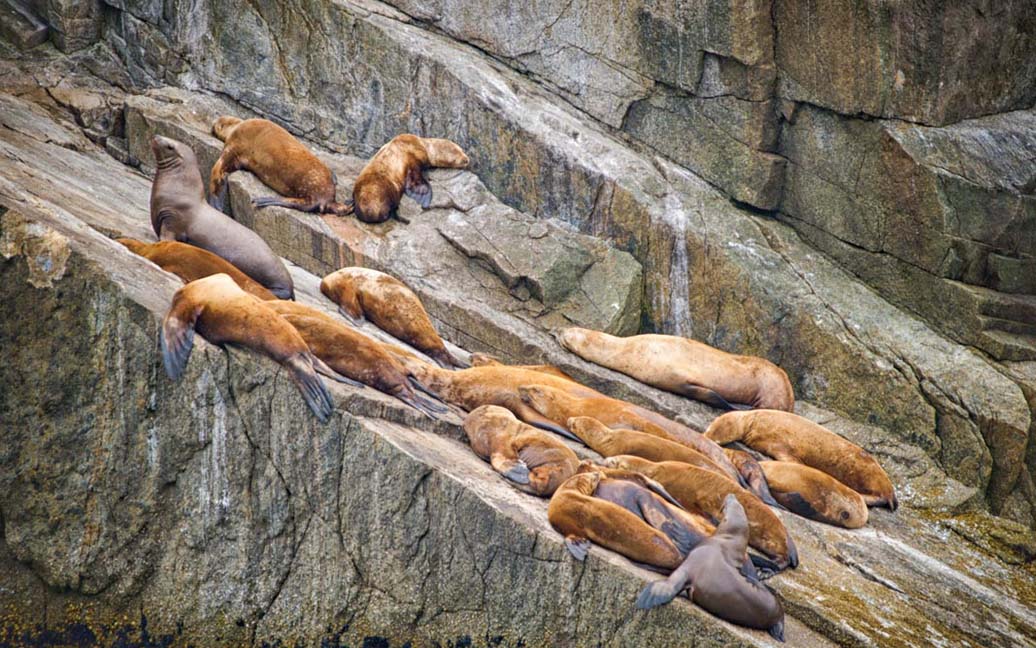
<point x="712" y="574"/>
<point x="398" y="168"/>
<point x="280" y="161"/>
<point x="814" y="494"/>
<point x="189" y="263"/>
<point x="390" y="305"/>
<point x="532" y="460"/>
<point x="704" y="490"/>
<point x="224" y="314"/>
<point x="179" y="213"/>
<point x="686" y="367"/>
<point x="356" y="356"/>
<point x="789" y="437"/>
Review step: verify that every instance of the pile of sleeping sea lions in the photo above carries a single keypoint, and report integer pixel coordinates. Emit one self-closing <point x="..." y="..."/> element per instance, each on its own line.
<point x="668" y="497"/>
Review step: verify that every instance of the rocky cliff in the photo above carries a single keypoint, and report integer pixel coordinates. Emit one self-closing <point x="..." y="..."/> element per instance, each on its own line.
<point x="869" y="230"/>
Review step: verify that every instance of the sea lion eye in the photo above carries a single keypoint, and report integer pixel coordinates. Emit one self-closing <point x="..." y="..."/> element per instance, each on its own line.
<point x="845" y="515"/>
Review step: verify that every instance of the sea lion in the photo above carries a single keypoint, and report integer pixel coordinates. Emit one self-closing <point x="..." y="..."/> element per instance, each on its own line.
<point x="533" y="461"/>
<point x="279" y="160"/>
<point x="390" y="305"/>
<point x="398" y="168"/>
<point x="711" y="573"/>
<point x="789" y="437"/>
<point x="687" y="367"/>
<point x="486" y="360"/>
<point x="189" y="263"/>
<point x="814" y="494"/>
<point x="352" y="354"/>
<point x="704" y="490"/>
<point x="179" y="213"/>
<point x="624" y="517"/>
<point x="224" y="314"/>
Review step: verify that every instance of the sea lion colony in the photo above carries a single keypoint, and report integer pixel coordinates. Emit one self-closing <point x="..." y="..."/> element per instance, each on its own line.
<point x="662" y="494"/>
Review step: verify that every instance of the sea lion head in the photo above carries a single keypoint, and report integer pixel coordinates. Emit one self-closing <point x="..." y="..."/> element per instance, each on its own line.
<point x="484" y="423"/>
<point x="223" y="126"/>
<point x="170" y="153"/>
<point x="444" y="153"/>
<point x="135" y="246"/>
<point x="545" y="400"/>
<point x="628" y="462"/>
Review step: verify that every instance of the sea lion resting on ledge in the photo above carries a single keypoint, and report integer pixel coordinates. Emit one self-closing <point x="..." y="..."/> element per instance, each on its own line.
<point x="279" y="160"/>
<point x="179" y="213"/>
<point x="687" y="367"/>
<point x="224" y="314"/>
<point x="398" y="168"/>
<point x="814" y="494"/>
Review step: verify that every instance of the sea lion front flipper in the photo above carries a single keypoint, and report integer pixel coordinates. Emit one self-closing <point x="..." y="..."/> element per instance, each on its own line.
<point x="662" y="591"/>
<point x="681" y="536"/>
<point x="535" y="419"/>
<point x="513" y="469"/>
<point x="177" y="335"/>
<point x="356" y="321"/>
<point x="777" y="631"/>
<point x="417" y="187"/>
<point x="314" y="391"/>
<point x="577" y="546"/>
<point x="327" y="371"/>
<point x="762" y="567"/>
<point x="709" y="397"/>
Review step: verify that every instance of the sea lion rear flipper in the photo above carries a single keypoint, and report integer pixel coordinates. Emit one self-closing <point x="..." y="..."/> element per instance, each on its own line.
<point x="325" y="370"/>
<point x="432" y="408"/>
<point x="417" y="187"/>
<point x="513" y="469"/>
<point x="777" y="631"/>
<point x="709" y="397"/>
<point x="421" y="387"/>
<point x="314" y="391"/>
<point x="535" y="419"/>
<point x="177" y="336"/>
<point x="661" y="592"/>
<point x="761" y="568"/>
<point x="577" y="546"/>
<point x="748" y="570"/>
<point x="288" y="203"/>
<point x="356" y="321"/>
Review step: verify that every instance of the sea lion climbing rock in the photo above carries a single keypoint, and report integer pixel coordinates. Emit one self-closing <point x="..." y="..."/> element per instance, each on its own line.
<point x="224" y="314"/>
<point x="280" y="161"/>
<point x="179" y="213"/>
<point x="532" y="460"/>
<point x="687" y="367"/>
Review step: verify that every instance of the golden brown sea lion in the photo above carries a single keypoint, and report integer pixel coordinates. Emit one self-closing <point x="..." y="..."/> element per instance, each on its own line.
<point x="279" y="160"/>
<point x="390" y="305"/>
<point x="622" y="516"/>
<point x="687" y="367"/>
<point x="189" y="263"/>
<point x="223" y="314"/>
<point x="398" y="168"/>
<point x="179" y="213"/>
<point x="704" y="490"/>
<point x="352" y="354"/>
<point x="789" y="437"/>
<point x="814" y="494"/>
<point x="486" y="360"/>
<point x="534" y="461"/>
<point x="712" y="574"/>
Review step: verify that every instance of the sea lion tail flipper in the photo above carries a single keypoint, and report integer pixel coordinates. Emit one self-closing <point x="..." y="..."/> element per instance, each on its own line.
<point x="551" y="426"/>
<point x="417" y="187"/>
<point x="327" y="371"/>
<point x="288" y="203"/>
<point x="177" y="337"/>
<point x="577" y="546"/>
<point x="356" y="321"/>
<point x="660" y="592"/>
<point x="513" y="469"/>
<point x="339" y="208"/>
<point x="777" y="631"/>
<point x="432" y="408"/>
<point x="312" y="388"/>
<point x="424" y="389"/>
<point x="709" y="397"/>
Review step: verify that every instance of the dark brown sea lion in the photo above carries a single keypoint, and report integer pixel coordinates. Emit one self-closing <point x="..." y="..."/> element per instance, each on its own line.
<point x="398" y="168"/>
<point x="189" y="263"/>
<point x="712" y="574"/>
<point x="352" y="354"/>
<point x="789" y="437"/>
<point x="814" y="494"/>
<point x="224" y="314"/>
<point x="179" y="213"/>
<point x="704" y="490"/>
<point x="390" y="305"/>
<point x="687" y="367"/>
<point x="279" y="160"/>
<point x="533" y="460"/>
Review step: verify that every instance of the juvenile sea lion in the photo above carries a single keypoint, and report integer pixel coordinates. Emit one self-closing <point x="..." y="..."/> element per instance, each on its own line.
<point x="687" y="367"/>
<point x="629" y="519"/>
<point x="352" y="354"/>
<point x="189" y="263"/>
<point x="534" y="461"/>
<point x="711" y="573"/>
<point x="279" y="160"/>
<point x="814" y="494"/>
<point x="224" y="314"/>
<point x="398" y="168"/>
<point x="390" y="305"/>
<point x="179" y="213"/>
<point x="789" y="437"/>
<point x="704" y="490"/>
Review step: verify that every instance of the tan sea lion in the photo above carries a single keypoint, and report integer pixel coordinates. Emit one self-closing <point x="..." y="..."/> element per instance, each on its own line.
<point x="179" y="213"/>
<point x="224" y="314"/>
<point x="814" y="494"/>
<point x="789" y="437"/>
<point x="486" y="360"/>
<point x="622" y="516"/>
<point x="534" y="461"/>
<point x="355" y="356"/>
<point x="189" y="263"/>
<point x="390" y="305"/>
<point x="398" y="168"/>
<point x="687" y="367"/>
<point x="704" y="490"/>
<point x="711" y="573"/>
